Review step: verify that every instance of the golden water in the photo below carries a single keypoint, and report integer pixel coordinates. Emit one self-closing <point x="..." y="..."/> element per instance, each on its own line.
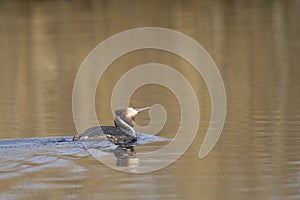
<point x="256" y="46"/>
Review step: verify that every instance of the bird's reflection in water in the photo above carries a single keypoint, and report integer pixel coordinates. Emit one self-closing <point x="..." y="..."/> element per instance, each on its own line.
<point x="125" y="156"/>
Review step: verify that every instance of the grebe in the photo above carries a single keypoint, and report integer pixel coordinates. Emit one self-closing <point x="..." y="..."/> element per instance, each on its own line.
<point x="121" y="134"/>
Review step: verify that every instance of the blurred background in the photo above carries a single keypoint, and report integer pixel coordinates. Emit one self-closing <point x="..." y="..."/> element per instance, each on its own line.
<point x="256" y="46"/>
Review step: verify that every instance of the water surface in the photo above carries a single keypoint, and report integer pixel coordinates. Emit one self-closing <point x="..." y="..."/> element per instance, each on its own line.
<point x="256" y="46"/>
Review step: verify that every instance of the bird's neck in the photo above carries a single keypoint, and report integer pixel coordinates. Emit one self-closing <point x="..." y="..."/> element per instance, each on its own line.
<point x="126" y="127"/>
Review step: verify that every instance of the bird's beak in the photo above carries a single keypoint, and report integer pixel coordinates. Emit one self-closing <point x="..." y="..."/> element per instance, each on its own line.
<point x="142" y="109"/>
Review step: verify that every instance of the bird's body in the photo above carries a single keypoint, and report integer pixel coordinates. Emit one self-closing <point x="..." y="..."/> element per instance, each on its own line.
<point x="112" y="133"/>
<point x="121" y="134"/>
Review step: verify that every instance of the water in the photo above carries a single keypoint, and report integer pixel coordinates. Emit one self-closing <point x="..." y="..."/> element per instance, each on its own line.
<point x="255" y="44"/>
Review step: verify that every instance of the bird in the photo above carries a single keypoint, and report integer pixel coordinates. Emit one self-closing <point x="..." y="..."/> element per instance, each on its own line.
<point x="122" y="134"/>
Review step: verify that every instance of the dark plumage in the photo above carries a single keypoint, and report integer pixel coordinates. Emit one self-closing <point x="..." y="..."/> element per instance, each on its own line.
<point x="121" y="134"/>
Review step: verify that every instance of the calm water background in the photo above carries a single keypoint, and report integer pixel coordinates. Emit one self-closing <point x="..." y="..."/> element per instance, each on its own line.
<point x="256" y="47"/>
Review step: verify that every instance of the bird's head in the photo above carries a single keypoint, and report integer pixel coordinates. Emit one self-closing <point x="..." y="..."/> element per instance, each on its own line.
<point x="128" y="114"/>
